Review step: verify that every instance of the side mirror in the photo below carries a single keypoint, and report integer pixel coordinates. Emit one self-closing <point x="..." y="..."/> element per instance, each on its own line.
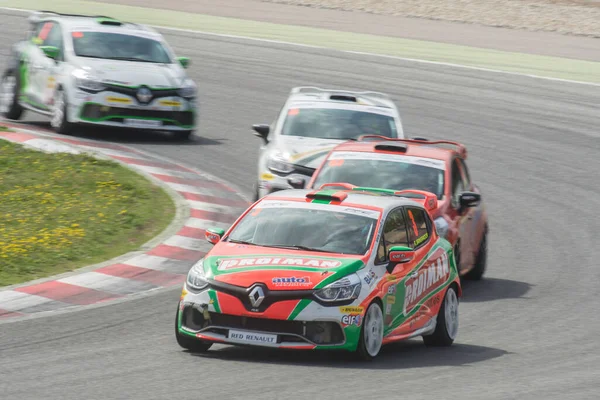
<point x="469" y="199"/>
<point x="401" y="255"/>
<point x="214" y="235"/>
<point x="297" y="183"/>
<point x="184" y="61"/>
<point x="50" y="51"/>
<point x="262" y="131"/>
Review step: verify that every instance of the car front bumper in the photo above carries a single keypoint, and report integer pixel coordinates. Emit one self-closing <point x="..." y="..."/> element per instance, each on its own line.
<point x="201" y="316"/>
<point x="118" y="110"/>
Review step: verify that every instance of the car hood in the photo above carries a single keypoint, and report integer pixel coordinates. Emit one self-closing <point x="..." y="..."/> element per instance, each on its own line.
<point x="129" y="73"/>
<point x="278" y="269"/>
<point x="305" y="151"/>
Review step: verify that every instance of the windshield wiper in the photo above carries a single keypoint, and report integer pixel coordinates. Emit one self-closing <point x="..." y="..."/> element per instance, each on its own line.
<point x="130" y="59"/>
<point x="297" y="247"/>
<point x="241" y="242"/>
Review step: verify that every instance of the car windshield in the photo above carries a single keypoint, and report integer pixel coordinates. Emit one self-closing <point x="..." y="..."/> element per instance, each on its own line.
<point x="308" y="226"/>
<point x="384" y="171"/>
<point x="333" y="123"/>
<point x="118" y="46"/>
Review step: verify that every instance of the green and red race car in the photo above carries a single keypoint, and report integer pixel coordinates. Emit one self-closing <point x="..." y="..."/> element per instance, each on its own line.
<point x="350" y="269"/>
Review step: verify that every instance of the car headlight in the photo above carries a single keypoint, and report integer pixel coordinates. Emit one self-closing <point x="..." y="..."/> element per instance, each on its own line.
<point x="441" y="226"/>
<point x="278" y="163"/>
<point x="196" y="278"/>
<point x="188" y="89"/>
<point x="347" y="288"/>
<point x="88" y="82"/>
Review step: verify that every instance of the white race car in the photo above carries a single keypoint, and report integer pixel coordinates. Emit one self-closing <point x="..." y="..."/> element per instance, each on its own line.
<point x="98" y="70"/>
<point x="312" y="122"/>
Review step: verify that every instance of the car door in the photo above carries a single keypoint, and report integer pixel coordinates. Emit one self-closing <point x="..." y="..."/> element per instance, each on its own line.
<point x="421" y="284"/>
<point x="50" y="68"/>
<point x="460" y="218"/>
<point x="394" y="234"/>
<point x="471" y="221"/>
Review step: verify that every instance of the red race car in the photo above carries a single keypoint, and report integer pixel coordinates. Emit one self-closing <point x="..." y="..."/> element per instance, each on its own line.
<point x="430" y="166"/>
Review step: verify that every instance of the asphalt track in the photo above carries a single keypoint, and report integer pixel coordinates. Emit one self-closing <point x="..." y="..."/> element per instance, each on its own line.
<point x="528" y="331"/>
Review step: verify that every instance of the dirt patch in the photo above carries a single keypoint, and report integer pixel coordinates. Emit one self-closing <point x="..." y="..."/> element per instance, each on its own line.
<point x="578" y="17"/>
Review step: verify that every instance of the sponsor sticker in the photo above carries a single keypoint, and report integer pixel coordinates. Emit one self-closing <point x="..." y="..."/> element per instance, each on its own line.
<point x="388" y="309"/>
<point x="356" y="155"/>
<point x="351" y="310"/>
<point x="121" y="100"/>
<point x="370" y="277"/>
<point x="351" y="319"/>
<point x="432" y="275"/>
<point x="391" y="289"/>
<point x="421" y="239"/>
<point x="250" y="337"/>
<point x="292" y="281"/>
<point x="233" y="263"/>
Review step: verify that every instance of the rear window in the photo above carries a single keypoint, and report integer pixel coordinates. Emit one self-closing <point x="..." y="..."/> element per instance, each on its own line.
<point x="383" y="171"/>
<point x="335" y="123"/>
<point x="118" y="46"/>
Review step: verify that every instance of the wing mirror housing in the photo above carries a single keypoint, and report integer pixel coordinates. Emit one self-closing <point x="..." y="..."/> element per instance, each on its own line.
<point x="469" y="199"/>
<point x="184" y="61"/>
<point x="399" y="255"/>
<point x="213" y="235"/>
<point x="262" y="131"/>
<point x="50" y="51"/>
<point x="297" y="183"/>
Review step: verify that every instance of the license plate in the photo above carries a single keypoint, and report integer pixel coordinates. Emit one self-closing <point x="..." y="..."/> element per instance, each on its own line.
<point x="252" y="338"/>
<point x="143" y="123"/>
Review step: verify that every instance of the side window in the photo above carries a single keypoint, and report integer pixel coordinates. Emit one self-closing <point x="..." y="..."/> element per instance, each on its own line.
<point x="54" y="37"/>
<point x="394" y="234"/>
<point x="418" y="226"/>
<point x="457" y="183"/>
<point x="465" y="173"/>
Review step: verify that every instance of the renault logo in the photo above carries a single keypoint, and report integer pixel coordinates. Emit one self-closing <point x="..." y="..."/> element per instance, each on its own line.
<point x="144" y="95"/>
<point x="257" y="295"/>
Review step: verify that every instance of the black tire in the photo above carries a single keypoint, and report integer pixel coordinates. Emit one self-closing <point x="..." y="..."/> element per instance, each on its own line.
<point x="64" y="126"/>
<point x="476" y="273"/>
<point x="441" y="337"/>
<point x="362" y="354"/>
<point x="182" y="135"/>
<point x="193" y="345"/>
<point x="14" y="110"/>
<point x="255" y="194"/>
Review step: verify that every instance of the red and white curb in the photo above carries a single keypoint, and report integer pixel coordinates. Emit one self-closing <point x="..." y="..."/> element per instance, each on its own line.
<point x="208" y="203"/>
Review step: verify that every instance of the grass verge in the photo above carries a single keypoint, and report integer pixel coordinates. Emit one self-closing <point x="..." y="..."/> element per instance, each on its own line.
<point x="60" y="212"/>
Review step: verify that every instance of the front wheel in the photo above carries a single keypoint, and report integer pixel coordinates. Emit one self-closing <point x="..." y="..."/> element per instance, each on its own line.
<point x="193" y="345"/>
<point x="371" y="333"/>
<point x="447" y="321"/>
<point x="9" y="96"/>
<point x="58" y="118"/>
<point x="182" y="135"/>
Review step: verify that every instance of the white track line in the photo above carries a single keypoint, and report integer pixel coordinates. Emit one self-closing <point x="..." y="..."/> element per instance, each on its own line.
<point x="415" y="60"/>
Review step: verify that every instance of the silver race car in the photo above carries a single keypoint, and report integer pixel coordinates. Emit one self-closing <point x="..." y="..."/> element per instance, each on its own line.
<point x="312" y="122"/>
<point x="98" y="70"/>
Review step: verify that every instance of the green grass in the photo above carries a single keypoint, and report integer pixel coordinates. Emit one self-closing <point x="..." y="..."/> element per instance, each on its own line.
<point x="554" y="67"/>
<point x="60" y="211"/>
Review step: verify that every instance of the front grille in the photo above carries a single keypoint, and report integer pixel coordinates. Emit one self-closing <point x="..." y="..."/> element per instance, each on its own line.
<point x="156" y="94"/>
<point x="319" y="332"/>
<point x="97" y="112"/>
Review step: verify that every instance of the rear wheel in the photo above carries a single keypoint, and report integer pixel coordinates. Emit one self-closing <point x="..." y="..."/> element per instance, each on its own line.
<point x="188" y="343"/>
<point x="371" y="334"/>
<point x="478" y="270"/>
<point x="9" y="96"/>
<point x="446" y="328"/>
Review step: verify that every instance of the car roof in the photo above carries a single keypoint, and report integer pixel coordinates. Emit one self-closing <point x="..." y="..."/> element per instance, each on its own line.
<point x="361" y="98"/>
<point x="76" y="21"/>
<point x="367" y="198"/>
<point x="406" y="147"/>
